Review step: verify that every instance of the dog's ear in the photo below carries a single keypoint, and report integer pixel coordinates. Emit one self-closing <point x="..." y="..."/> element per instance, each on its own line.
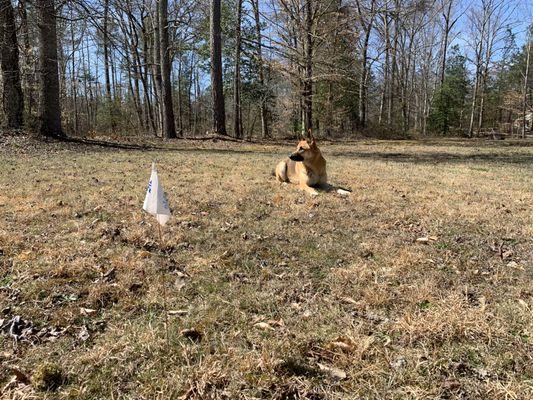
<point x="311" y="138"/>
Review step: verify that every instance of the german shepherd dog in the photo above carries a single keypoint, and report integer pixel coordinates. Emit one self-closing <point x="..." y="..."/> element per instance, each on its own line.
<point x="305" y="167"/>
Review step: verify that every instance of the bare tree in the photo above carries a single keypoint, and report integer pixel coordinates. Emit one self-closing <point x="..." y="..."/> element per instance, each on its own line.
<point x="12" y="100"/>
<point x="526" y="81"/>
<point x="449" y="22"/>
<point x="366" y="17"/>
<point x="332" y="65"/>
<point x="263" y="105"/>
<point x="50" y="110"/>
<point x="237" y="112"/>
<point x="219" y="113"/>
<point x="307" y="91"/>
<point x="488" y="25"/>
<point x="167" y="107"/>
<point x="105" y="45"/>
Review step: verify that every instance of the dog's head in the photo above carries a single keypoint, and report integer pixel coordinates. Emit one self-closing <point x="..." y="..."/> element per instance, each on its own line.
<point x="305" y="150"/>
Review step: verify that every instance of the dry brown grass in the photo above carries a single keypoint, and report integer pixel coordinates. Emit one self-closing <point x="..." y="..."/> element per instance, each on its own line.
<point x="294" y="297"/>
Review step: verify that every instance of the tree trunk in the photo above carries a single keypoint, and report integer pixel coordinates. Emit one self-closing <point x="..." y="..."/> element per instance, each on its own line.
<point x="364" y="62"/>
<point x="144" y="75"/>
<point x="74" y="78"/>
<point x="307" y="92"/>
<point x="392" y="83"/>
<point x="106" y="51"/>
<point x="263" y="100"/>
<point x="190" y="90"/>
<point x="12" y="101"/>
<point x="237" y="125"/>
<point x="526" y="80"/>
<point x="155" y="52"/>
<point x="133" y="75"/>
<point x="167" y="108"/>
<point x="28" y="75"/>
<point x="448" y="25"/>
<point x="219" y="113"/>
<point x="179" y="100"/>
<point x="386" y="66"/>
<point x="50" y="110"/>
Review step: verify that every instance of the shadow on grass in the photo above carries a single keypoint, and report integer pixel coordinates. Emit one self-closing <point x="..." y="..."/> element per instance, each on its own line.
<point x="440" y="157"/>
<point x="409" y="156"/>
<point x="102" y="145"/>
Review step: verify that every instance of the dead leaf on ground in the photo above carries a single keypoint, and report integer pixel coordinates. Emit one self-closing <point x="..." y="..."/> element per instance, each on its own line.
<point x="273" y="322"/>
<point x="135" y="286"/>
<point x="110" y="275"/>
<point x="264" y="326"/>
<point x="144" y="254"/>
<point x="523" y="304"/>
<point x="87" y="311"/>
<point x="19" y="375"/>
<point x="83" y="334"/>
<point x="192" y="334"/>
<point x="24" y="255"/>
<point x="177" y="312"/>
<point x="12" y="384"/>
<point x="348" y="300"/>
<point x="398" y="363"/>
<point x="341" y="343"/>
<point x="333" y="372"/>
<point x="507" y="254"/>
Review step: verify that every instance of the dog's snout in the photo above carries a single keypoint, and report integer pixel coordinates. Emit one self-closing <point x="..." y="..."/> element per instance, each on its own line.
<point x="296" y="157"/>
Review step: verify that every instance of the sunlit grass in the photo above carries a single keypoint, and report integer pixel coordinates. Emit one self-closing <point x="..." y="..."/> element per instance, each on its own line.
<point x="286" y="290"/>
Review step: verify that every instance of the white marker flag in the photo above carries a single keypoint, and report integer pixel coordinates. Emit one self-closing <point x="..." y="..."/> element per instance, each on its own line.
<point x="155" y="202"/>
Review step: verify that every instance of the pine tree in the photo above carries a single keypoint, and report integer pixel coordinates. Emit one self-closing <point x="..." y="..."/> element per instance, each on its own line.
<point x="450" y="97"/>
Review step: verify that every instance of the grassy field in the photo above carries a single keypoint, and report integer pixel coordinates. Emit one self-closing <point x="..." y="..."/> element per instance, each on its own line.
<point x="416" y="286"/>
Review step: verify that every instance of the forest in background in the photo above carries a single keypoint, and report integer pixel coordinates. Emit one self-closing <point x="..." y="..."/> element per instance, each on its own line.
<point x="269" y="68"/>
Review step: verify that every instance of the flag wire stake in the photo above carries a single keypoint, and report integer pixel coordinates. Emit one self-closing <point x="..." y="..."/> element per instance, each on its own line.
<point x="163" y="276"/>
